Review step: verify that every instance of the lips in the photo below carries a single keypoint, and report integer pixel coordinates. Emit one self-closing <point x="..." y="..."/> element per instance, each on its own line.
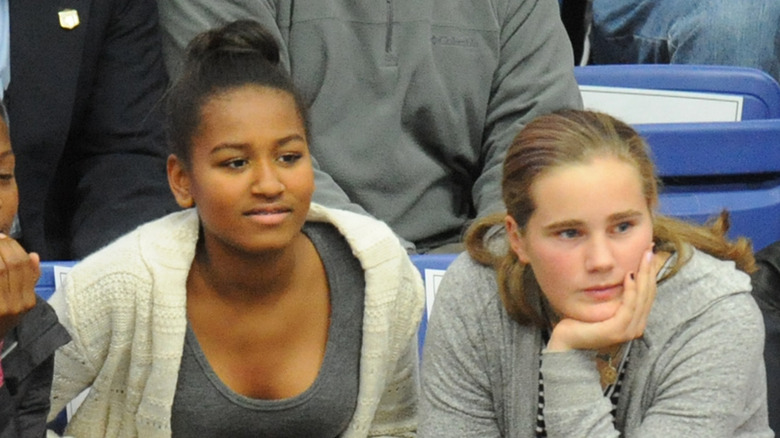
<point x="604" y="292"/>
<point x="602" y="287"/>
<point x="268" y="210"/>
<point x="269" y="215"/>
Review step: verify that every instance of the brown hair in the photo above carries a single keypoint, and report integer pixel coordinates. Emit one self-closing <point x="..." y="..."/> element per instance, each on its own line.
<point x="572" y="137"/>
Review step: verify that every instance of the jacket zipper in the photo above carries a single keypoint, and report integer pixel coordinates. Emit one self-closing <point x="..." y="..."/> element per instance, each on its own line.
<point x="389" y="35"/>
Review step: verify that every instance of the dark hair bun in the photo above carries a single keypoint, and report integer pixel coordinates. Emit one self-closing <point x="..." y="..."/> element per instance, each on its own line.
<point x="238" y="54"/>
<point x="236" y="38"/>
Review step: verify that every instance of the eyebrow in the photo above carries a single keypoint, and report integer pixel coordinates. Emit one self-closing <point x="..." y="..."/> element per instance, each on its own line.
<point x="282" y="142"/>
<point x="623" y="215"/>
<point x="574" y="223"/>
<point x="6" y="154"/>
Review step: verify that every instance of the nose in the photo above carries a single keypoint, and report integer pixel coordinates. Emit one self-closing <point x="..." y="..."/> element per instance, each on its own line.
<point x="599" y="255"/>
<point x="266" y="181"/>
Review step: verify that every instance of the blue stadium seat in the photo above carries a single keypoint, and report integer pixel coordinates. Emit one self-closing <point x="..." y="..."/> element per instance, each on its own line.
<point x="45" y="286"/>
<point x="429" y="264"/>
<point x="708" y="167"/>
<point x="754" y="208"/>
<point x="722" y="148"/>
<point x="760" y="92"/>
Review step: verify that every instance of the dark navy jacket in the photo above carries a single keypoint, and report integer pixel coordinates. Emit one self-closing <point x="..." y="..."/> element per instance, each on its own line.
<point x="766" y="291"/>
<point x="28" y="367"/>
<point x="85" y="122"/>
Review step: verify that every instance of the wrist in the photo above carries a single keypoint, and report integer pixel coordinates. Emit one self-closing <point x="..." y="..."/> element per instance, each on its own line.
<point x="557" y="346"/>
<point x="558" y="341"/>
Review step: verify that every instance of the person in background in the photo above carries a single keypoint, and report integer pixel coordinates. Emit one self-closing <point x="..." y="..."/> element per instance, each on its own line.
<point x="257" y="312"/>
<point x="412" y="102"/>
<point x="29" y="331"/>
<point x="597" y="316"/>
<point x="740" y="33"/>
<point x="766" y="291"/>
<point x="82" y="84"/>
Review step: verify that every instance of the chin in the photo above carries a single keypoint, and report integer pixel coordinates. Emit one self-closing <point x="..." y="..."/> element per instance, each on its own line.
<point x="598" y="313"/>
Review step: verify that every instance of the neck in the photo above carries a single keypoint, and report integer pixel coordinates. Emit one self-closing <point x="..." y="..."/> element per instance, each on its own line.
<point x="237" y="275"/>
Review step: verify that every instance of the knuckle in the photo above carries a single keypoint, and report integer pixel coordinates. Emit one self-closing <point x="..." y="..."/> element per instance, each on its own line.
<point x="16" y="262"/>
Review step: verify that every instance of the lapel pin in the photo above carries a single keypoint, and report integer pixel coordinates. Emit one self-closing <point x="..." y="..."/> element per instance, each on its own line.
<point x="69" y="18"/>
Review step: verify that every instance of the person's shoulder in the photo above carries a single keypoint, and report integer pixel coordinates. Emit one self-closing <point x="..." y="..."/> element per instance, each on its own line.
<point x="704" y="287"/>
<point x="321" y="213"/>
<point x="164" y="241"/>
<point x="470" y="290"/>
<point x="715" y="276"/>
<point x="368" y="237"/>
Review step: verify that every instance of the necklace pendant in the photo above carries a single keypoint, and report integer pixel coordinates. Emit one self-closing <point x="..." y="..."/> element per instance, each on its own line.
<point x="609" y="375"/>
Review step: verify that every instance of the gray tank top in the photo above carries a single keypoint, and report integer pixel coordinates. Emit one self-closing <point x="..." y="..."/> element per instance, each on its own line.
<point x="204" y="407"/>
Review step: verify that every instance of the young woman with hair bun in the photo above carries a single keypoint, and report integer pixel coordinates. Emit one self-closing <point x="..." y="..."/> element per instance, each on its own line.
<point x="253" y="312"/>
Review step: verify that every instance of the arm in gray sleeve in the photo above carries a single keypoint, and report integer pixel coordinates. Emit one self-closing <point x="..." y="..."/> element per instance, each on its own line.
<point x="535" y="75"/>
<point x="709" y="381"/>
<point x="329" y="194"/>
<point x="457" y="399"/>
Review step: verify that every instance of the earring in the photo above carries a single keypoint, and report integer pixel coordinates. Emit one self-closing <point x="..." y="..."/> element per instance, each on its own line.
<point x="189" y="203"/>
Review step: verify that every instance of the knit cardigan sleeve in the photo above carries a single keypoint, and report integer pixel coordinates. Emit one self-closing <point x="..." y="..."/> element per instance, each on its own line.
<point x="396" y="413"/>
<point x="127" y="327"/>
<point x="394" y="300"/>
<point x="99" y="316"/>
<point x="74" y="371"/>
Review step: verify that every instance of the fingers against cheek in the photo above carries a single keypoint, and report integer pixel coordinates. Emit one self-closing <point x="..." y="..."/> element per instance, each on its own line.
<point x="24" y="278"/>
<point x="632" y="300"/>
<point x="630" y="293"/>
<point x="24" y="275"/>
<point x="11" y="296"/>
<point x="18" y="277"/>
<point x="647" y="291"/>
<point x="649" y="285"/>
<point x="651" y="280"/>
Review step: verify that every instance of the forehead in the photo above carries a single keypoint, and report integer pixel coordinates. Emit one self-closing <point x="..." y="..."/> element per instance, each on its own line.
<point x="250" y="105"/>
<point x="254" y="119"/>
<point x="245" y="95"/>
<point x="587" y="191"/>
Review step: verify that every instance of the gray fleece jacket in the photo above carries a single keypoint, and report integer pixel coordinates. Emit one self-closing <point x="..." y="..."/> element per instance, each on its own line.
<point x="413" y="103"/>
<point x="698" y="371"/>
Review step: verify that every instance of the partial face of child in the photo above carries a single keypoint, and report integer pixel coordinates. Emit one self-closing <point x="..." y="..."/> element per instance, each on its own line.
<point x="251" y="175"/>
<point x="590" y="229"/>
<point x="9" y="195"/>
<point x="21" y="270"/>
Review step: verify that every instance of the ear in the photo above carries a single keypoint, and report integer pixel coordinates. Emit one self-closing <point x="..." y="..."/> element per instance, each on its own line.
<point x="516" y="239"/>
<point x="179" y="181"/>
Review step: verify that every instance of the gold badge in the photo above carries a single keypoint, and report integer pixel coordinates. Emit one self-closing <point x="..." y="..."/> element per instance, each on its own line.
<point x="69" y="18"/>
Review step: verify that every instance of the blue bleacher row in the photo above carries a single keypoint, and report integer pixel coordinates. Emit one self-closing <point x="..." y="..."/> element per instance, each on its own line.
<point x="708" y="167"/>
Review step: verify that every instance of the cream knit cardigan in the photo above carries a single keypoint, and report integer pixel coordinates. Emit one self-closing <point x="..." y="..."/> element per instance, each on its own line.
<point x="125" y="307"/>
